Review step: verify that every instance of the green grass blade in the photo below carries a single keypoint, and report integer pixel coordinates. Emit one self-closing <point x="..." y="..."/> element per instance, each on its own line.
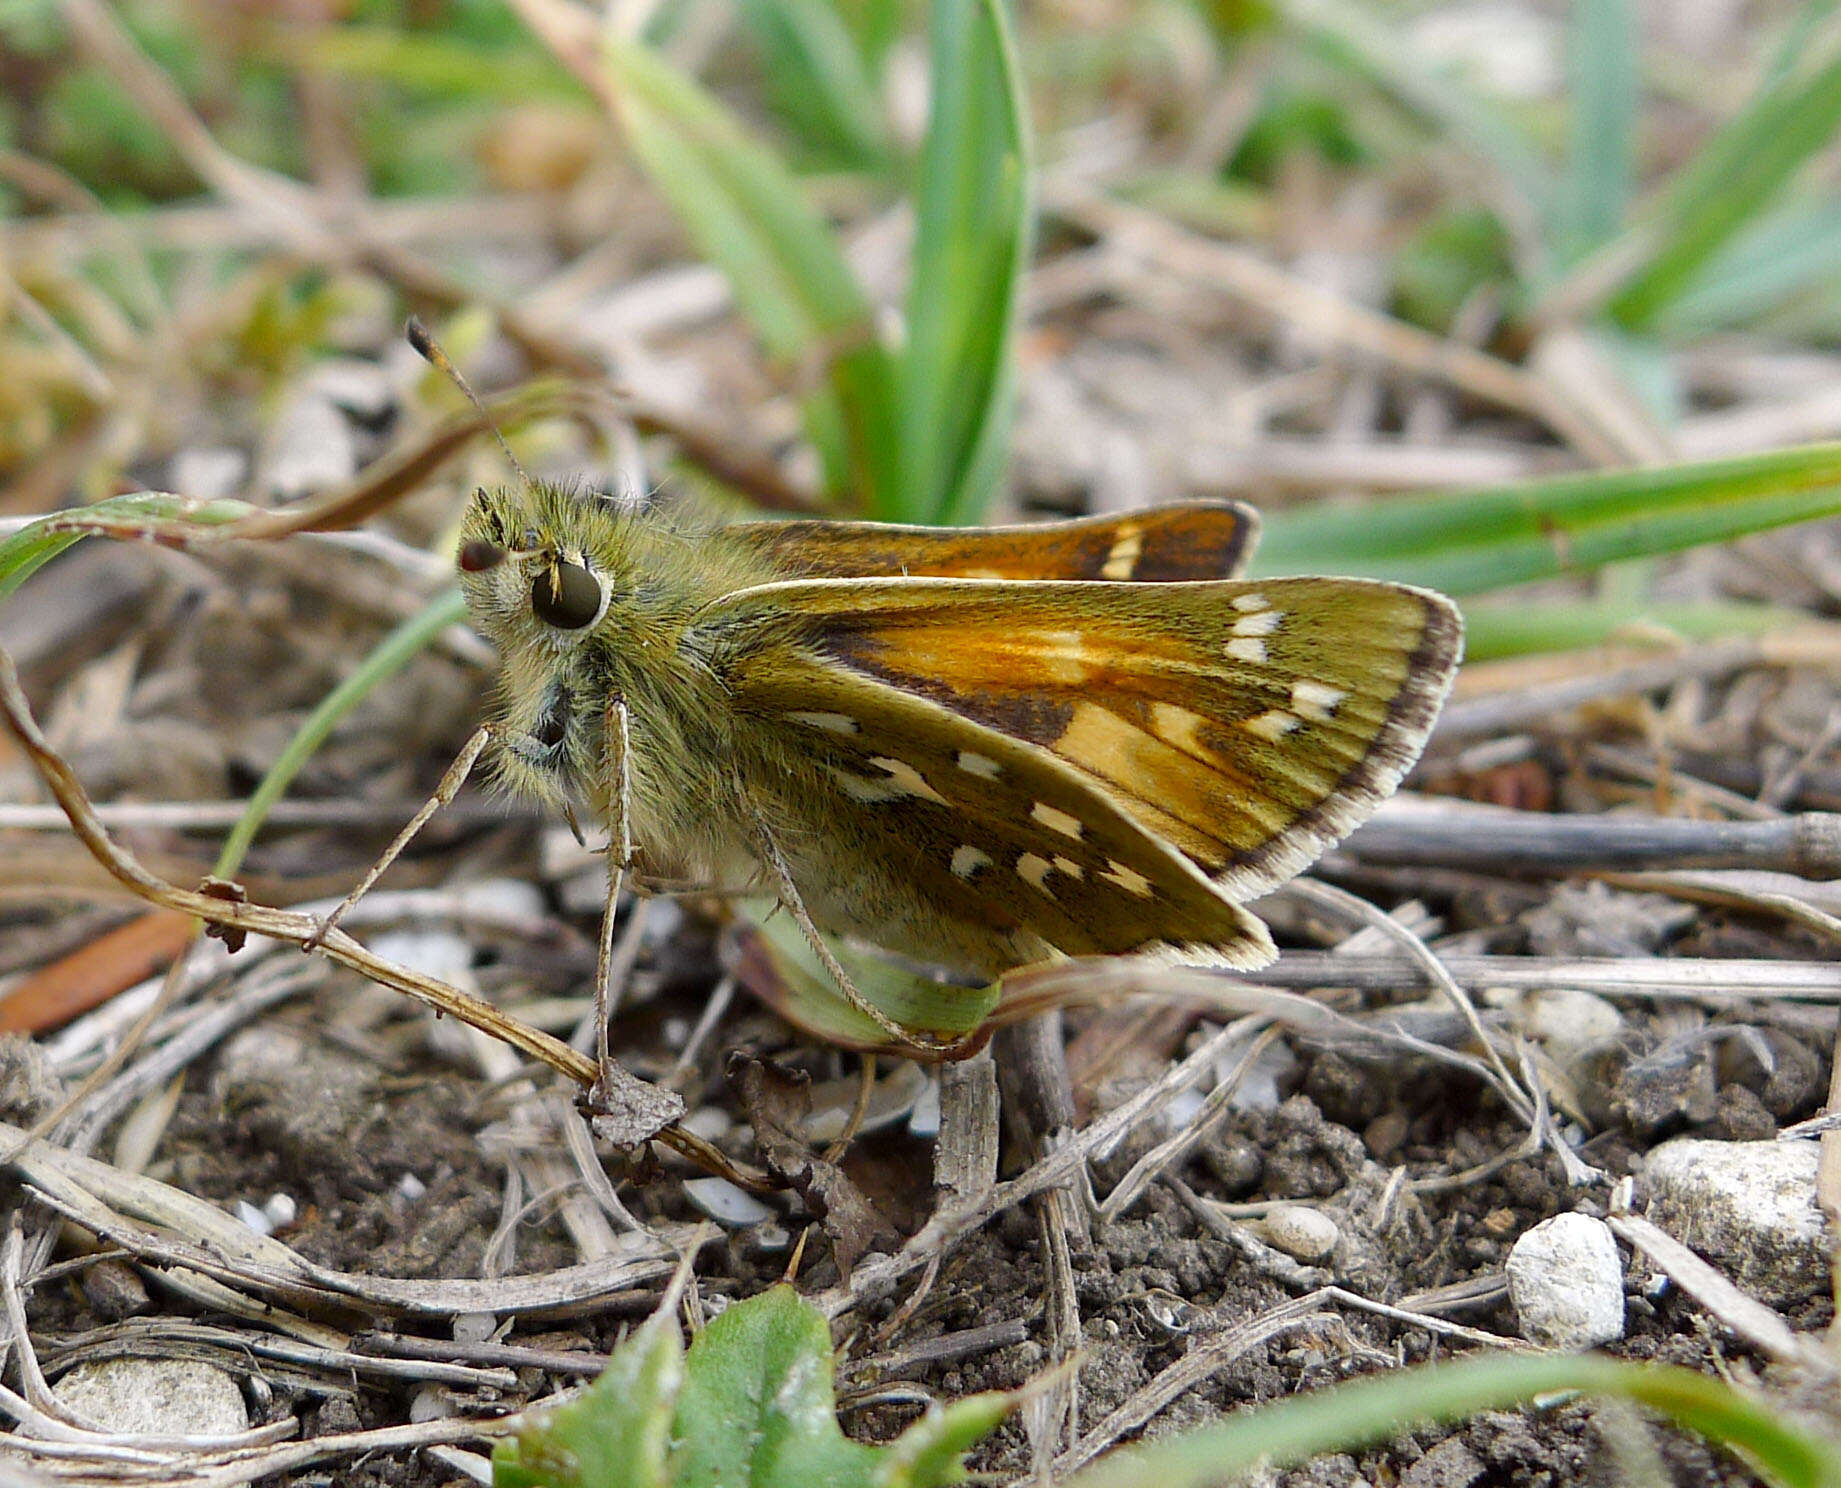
<point x="1377" y="1409"/>
<point x="973" y="238"/>
<point x="1361" y="38"/>
<point x="436" y="64"/>
<point x="1595" y="192"/>
<point x="1733" y="179"/>
<point x="145" y="515"/>
<point x="1493" y="631"/>
<point x="1469" y="541"/>
<point x="390" y="656"/>
<point x="749" y="216"/>
<point x="1791" y="253"/>
<point x="821" y="83"/>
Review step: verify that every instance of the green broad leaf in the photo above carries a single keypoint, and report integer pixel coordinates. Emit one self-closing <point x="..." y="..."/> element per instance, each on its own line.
<point x="1349" y="1416"/>
<point x="1466" y="542"/>
<point x="616" y="1432"/>
<point x="974" y="219"/>
<point x="751" y="1404"/>
<point x="933" y="1448"/>
<point x="749" y="216"/>
<point x="780" y="967"/>
<point x="758" y="1405"/>
<point x="821" y="83"/>
<point x="1734" y="178"/>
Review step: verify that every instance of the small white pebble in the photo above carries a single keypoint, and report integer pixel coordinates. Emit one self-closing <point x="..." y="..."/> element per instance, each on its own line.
<point x="437" y="953"/>
<point x="281" y="1210"/>
<point x="504" y="898"/>
<point x="924" y="1119"/>
<point x="411" y="1187"/>
<point x="726" y="1203"/>
<point x="255" y="1218"/>
<point x="474" y="1327"/>
<point x="1566" y="1280"/>
<point x="1303" y="1233"/>
<point x="709" y="1122"/>
<point x="1566" y="1020"/>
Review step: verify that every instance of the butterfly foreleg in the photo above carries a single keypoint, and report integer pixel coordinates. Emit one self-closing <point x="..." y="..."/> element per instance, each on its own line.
<point x="618" y="745"/>
<point x="444" y="794"/>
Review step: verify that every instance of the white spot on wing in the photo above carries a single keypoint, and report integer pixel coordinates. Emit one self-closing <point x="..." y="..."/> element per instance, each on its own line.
<point x="1034" y="871"/>
<point x="1250" y="602"/>
<point x="1128" y="879"/>
<point x="967" y="860"/>
<point x="1273" y="724"/>
<point x="1260" y="623"/>
<point x="1057" y="821"/>
<point x="831" y="723"/>
<point x="1179" y="727"/>
<point x="978" y="764"/>
<point x="1069" y="867"/>
<point x="858" y="788"/>
<point x="1248" y="649"/>
<point x="1122" y="558"/>
<point x="1316" y="700"/>
<point x="906" y="780"/>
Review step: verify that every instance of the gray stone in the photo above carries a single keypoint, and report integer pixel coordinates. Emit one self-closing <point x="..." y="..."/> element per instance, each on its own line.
<point x="155" y="1397"/>
<point x="1748" y="1207"/>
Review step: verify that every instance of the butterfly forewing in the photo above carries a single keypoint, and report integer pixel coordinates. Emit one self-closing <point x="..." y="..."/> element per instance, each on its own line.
<point x="1248" y="724"/>
<point x="1197" y="541"/>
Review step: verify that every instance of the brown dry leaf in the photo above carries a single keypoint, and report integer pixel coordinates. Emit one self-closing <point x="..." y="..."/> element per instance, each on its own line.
<point x="777" y="1101"/>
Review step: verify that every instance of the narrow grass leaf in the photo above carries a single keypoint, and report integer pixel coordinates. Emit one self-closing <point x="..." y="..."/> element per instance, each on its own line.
<point x="1791" y="253"/>
<point x="821" y="82"/>
<point x="1733" y="179"/>
<point x="389" y="656"/>
<point x="1494" y="631"/>
<point x="1595" y="192"/>
<point x="438" y="65"/>
<point x="142" y="515"/>
<point x="1469" y="541"/>
<point x="973" y="238"/>
<point x="1367" y="42"/>
<point x="1350" y="1416"/>
<point x="748" y="215"/>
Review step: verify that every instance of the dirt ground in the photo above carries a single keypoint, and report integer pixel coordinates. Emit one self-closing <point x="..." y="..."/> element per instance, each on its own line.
<point x="404" y="1149"/>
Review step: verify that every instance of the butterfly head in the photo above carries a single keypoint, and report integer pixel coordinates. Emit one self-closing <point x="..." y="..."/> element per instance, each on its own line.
<point x="536" y="563"/>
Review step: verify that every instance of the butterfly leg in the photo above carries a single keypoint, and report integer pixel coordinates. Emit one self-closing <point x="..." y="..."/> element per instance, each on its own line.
<point x="445" y="792"/>
<point x="917" y="1043"/>
<point x="619" y="742"/>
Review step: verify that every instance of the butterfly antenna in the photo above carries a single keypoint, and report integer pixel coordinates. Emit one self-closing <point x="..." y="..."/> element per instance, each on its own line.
<point x="429" y="349"/>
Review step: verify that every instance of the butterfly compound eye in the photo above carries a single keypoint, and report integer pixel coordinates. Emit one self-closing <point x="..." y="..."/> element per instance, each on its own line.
<point x="566" y="595"/>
